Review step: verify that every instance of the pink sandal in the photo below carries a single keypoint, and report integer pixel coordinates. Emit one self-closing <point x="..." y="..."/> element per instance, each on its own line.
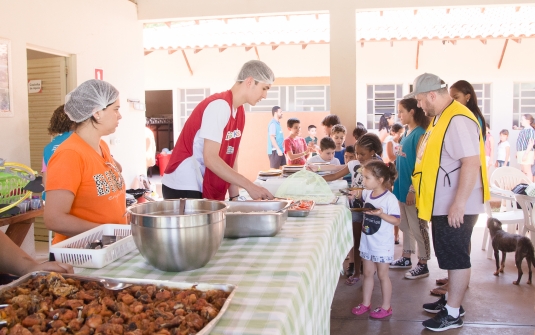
<point x="360" y="309"/>
<point x="380" y="313"/>
<point x="350" y="281"/>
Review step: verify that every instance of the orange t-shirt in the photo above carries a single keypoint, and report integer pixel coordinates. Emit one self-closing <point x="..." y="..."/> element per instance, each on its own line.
<point x="95" y="181"/>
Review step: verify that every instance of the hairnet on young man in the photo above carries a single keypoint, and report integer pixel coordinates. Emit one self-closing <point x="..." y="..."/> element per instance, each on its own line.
<point x="90" y="97"/>
<point x="258" y="70"/>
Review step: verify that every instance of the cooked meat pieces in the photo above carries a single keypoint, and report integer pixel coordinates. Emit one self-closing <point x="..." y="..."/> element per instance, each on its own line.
<point x="55" y="305"/>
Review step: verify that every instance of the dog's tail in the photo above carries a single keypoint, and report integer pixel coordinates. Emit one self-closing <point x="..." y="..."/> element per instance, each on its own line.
<point x="525" y="243"/>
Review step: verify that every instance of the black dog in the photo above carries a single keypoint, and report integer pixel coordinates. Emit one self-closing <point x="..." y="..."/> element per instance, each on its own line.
<point x="505" y="242"/>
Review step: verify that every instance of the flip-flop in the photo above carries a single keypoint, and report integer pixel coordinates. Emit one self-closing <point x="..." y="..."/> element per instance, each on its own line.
<point x="442" y="281"/>
<point x="352" y="281"/>
<point x="439" y="291"/>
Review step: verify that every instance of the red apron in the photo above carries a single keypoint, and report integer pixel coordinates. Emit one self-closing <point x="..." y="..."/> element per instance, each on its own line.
<point x="213" y="187"/>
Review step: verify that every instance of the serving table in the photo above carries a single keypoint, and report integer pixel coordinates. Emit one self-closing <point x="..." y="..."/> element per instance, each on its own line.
<point x="285" y="283"/>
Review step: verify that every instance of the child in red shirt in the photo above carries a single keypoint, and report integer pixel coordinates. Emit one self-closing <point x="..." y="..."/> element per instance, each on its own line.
<point x="295" y="147"/>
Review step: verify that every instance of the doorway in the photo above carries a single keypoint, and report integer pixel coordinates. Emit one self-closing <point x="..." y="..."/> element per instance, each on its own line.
<point x="48" y="84"/>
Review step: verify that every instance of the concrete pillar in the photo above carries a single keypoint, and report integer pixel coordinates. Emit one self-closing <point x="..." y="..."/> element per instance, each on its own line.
<point x="344" y="67"/>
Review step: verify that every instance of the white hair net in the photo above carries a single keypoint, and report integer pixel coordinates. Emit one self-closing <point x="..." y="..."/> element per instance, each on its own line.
<point x="90" y="97"/>
<point x="258" y="70"/>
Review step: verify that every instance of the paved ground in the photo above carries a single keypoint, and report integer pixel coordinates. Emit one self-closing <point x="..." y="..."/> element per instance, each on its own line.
<point x="493" y="304"/>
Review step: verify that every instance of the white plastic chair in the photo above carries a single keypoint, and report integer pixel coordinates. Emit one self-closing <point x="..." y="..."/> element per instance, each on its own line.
<point x="502" y="181"/>
<point x="527" y="203"/>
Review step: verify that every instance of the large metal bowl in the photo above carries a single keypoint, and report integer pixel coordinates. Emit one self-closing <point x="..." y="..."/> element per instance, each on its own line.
<point x="178" y="235"/>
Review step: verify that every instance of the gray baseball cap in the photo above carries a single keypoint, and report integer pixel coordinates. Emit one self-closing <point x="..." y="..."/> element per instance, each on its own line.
<point x="426" y="82"/>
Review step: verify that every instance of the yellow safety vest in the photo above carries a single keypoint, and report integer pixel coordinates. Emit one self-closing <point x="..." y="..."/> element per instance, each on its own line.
<point x="428" y="155"/>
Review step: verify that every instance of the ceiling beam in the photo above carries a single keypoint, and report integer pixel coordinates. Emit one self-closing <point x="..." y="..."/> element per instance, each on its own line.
<point x="256" y="51"/>
<point x="187" y="62"/>
<point x="417" y="53"/>
<point x="503" y="53"/>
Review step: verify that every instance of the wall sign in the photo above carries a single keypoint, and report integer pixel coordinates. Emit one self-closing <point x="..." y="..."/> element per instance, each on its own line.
<point x="34" y="86"/>
<point x="99" y="74"/>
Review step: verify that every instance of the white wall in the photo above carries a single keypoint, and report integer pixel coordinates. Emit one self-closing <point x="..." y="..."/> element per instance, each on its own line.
<point x="471" y="60"/>
<point x="103" y="34"/>
<point x="377" y="63"/>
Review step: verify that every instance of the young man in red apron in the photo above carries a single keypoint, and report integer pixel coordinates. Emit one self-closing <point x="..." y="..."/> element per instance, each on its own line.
<point x="204" y="161"/>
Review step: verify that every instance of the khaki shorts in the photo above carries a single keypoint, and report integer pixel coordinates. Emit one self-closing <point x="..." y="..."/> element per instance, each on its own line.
<point x="525" y="157"/>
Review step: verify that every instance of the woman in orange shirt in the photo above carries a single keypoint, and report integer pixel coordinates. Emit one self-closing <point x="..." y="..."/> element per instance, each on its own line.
<point x="84" y="184"/>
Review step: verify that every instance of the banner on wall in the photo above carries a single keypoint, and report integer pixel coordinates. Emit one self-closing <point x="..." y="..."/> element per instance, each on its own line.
<point x="34" y="86"/>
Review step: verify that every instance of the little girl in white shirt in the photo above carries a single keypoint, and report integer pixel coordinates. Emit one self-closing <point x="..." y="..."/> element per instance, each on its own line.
<point x="377" y="240"/>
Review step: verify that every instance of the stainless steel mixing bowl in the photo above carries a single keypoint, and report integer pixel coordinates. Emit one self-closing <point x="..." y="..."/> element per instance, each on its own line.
<point x="178" y="235"/>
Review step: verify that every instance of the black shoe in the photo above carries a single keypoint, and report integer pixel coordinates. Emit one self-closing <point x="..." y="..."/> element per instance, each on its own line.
<point x="442" y="321"/>
<point x="419" y="271"/>
<point x="437" y="306"/>
<point x="401" y="263"/>
<point x="350" y="270"/>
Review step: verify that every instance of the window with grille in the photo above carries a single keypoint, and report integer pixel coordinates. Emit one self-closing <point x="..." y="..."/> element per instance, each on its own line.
<point x="483" y="93"/>
<point x="523" y="101"/>
<point x="295" y="99"/>
<point x="382" y="99"/>
<point x="189" y="99"/>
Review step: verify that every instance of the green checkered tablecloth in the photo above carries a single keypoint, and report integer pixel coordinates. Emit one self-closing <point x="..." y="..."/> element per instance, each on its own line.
<point x="285" y="283"/>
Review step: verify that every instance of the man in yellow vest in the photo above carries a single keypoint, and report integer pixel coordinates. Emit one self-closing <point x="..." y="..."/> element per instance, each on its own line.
<point x="450" y="182"/>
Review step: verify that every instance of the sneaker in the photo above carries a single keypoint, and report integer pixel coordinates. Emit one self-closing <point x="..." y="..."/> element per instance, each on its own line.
<point x="419" y="271"/>
<point x="438" y="305"/>
<point x="442" y="321"/>
<point x="380" y="313"/>
<point x="360" y="309"/>
<point x="401" y="263"/>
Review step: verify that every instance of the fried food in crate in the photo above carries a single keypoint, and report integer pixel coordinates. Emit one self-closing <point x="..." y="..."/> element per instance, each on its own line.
<point x="55" y="305"/>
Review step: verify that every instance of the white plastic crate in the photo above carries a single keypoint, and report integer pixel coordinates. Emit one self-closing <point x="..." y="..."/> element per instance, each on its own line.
<point x="71" y="250"/>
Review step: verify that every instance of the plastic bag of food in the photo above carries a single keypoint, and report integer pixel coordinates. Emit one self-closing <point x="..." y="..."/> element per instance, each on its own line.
<point x="306" y="185"/>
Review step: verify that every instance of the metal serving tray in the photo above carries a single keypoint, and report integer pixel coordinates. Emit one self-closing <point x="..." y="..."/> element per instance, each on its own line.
<point x="255" y="218"/>
<point x="300" y="212"/>
<point x="158" y="283"/>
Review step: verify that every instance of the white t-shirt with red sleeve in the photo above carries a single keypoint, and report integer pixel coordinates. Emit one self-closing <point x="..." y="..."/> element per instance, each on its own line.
<point x="215" y="118"/>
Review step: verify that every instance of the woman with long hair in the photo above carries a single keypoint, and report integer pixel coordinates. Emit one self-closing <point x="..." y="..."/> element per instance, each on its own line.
<point x="463" y="92"/>
<point x="415" y="231"/>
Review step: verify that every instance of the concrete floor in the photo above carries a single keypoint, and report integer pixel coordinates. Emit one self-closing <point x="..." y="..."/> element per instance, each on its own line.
<point x="493" y="304"/>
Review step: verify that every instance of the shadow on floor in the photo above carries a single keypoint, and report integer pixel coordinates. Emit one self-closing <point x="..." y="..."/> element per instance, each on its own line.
<point x="493" y="304"/>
